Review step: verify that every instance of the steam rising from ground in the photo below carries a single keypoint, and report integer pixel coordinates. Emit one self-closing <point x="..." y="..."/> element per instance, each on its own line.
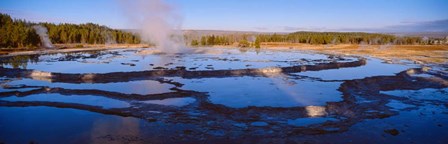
<point x="157" y="22"/>
<point x="42" y="32"/>
<point x="108" y="38"/>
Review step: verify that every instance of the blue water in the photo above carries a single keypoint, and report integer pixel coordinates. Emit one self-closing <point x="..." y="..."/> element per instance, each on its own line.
<point x="143" y="87"/>
<point x="203" y="59"/>
<point x="56" y="125"/>
<point x="277" y="91"/>
<point x="374" y="67"/>
<point x="74" y="99"/>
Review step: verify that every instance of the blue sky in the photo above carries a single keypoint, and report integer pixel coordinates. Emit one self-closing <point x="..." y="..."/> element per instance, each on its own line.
<point x="253" y="15"/>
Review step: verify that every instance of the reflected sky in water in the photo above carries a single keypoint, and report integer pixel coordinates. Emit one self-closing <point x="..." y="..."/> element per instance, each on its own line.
<point x="423" y="94"/>
<point x="278" y="91"/>
<point x="55" y="125"/>
<point x="133" y="87"/>
<point x="374" y="67"/>
<point x="77" y="99"/>
<point x="172" y="101"/>
<point x="275" y="89"/>
<point x="137" y="60"/>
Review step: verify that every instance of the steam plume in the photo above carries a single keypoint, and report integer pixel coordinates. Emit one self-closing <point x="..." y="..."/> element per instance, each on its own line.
<point x="108" y="38"/>
<point x="157" y="22"/>
<point x="42" y="32"/>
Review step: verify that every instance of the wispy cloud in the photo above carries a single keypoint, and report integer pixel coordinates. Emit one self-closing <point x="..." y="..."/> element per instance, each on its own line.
<point x="405" y="26"/>
<point x="289" y="28"/>
<point x="261" y="28"/>
<point x="426" y="26"/>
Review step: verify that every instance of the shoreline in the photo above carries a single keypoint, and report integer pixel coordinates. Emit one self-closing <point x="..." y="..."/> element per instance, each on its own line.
<point x="419" y="54"/>
<point x="71" y="48"/>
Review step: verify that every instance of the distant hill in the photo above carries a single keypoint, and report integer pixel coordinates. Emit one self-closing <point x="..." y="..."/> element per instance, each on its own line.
<point x="222" y="32"/>
<point x="423" y="34"/>
<point x="225" y="32"/>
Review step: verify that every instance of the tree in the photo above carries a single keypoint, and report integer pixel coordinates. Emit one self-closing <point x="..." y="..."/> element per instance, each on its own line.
<point x="194" y="43"/>
<point x="243" y="43"/>
<point x="203" y="41"/>
<point x="257" y="42"/>
<point x="211" y="40"/>
<point x="17" y="33"/>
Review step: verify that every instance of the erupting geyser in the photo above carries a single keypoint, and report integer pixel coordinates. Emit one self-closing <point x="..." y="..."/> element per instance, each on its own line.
<point x="42" y="32"/>
<point x="157" y="22"/>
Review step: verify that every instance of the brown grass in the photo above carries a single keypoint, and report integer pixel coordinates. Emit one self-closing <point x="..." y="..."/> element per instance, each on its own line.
<point x="101" y="45"/>
<point x="418" y="53"/>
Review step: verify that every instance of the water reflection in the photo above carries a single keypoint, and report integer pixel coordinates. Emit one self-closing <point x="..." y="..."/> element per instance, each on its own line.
<point x="266" y="104"/>
<point x="239" y="92"/>
<point x="374" y="67"/>
<point x="55" y="125"/>
<point x="172" y="101"/>
<point x="20" y="61"/>
<point x="76" y="99"/>
<point x="43" y="76"/>
<point x="421" y="94"/>
<point x="116" y="131"/>
<point x="134" y="60"/>
<point x="315" y="111"/>
<point x="309" y="121"/>
<point x="142" y="87"/>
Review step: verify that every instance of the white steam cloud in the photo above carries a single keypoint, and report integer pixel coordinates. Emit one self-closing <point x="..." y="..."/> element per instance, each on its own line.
<point x="42" y="32"/>
<point x="108" y="38"/>
<point x="157" y="22"/>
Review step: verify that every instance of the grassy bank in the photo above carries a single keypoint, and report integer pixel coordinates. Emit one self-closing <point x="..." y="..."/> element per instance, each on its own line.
<point x="418" y="53"/>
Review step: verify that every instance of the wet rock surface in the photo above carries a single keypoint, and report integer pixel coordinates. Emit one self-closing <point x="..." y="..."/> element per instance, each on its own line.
<point x="393" y="132"/>
<point x="189" y="115"/>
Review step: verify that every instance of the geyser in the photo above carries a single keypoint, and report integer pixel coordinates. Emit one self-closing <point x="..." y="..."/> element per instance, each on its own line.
<point x="42" y="32"/>
<point x="157" y="22"/>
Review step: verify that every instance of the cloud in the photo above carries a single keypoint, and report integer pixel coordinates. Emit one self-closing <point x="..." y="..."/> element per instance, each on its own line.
<point x="404" y="27"/>
<point x="426" y="26"/>
<point x="261" y="28"/>
<point x="289" y="28"/>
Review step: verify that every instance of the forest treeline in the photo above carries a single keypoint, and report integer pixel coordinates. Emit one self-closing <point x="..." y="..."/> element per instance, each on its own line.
<point x="17" y="33"/>
<point x="316" y="38"/>
<point x="20" y="33"/>
<point x="88" y="33"/>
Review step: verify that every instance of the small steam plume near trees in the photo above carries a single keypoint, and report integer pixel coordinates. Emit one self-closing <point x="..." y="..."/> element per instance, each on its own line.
<point x="16" y="33"/>
<point x="42" y="32"/>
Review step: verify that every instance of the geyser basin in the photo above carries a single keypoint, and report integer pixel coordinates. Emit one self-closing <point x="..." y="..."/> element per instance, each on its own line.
<point x="222" y="94"/>
<point x="128" y="60"/>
